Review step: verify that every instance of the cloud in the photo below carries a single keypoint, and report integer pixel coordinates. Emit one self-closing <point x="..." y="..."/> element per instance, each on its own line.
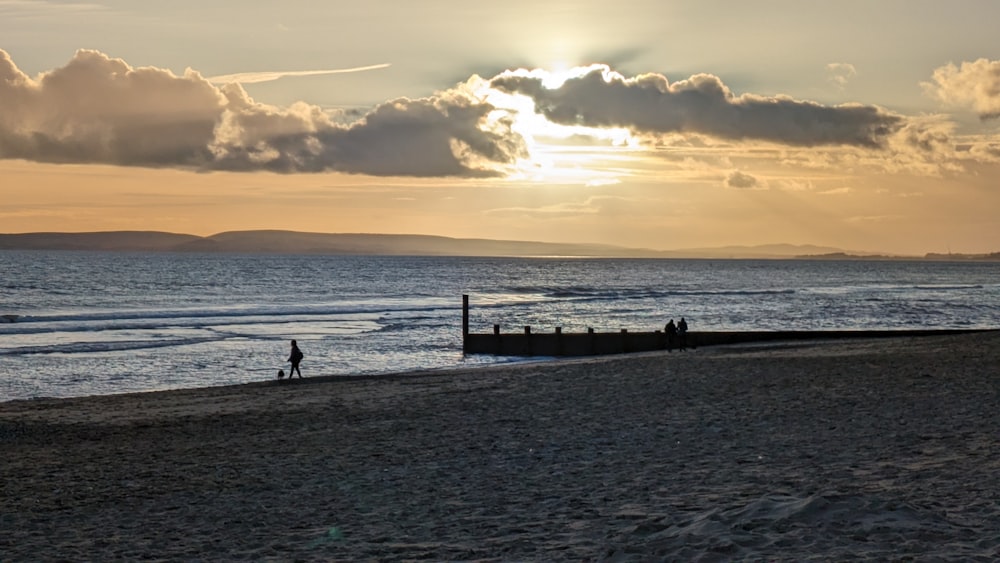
<point x="872" y="218"/>
<point x="439" y="136"/>
<point x="34" y="8"/>
<point x="795" y="185"/>
<point x="843" y="190"/>
<point x="974" y="85"/>
<point x="926" y="146"/>
<point x="737" y="179"/>
<point x="648" y="103"/>
<point x="594" y="205"/>
<point x="984" y="150"/>
<point x="257" y="77"/>
<point x="840" y="74"/>
<point x="98" y="109"/>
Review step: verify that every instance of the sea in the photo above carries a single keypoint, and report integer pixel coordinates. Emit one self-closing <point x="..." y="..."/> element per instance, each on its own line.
<point x="96" y="323"/>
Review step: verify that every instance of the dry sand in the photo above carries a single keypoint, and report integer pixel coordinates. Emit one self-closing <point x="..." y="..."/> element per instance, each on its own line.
<point x="862" y="449"/>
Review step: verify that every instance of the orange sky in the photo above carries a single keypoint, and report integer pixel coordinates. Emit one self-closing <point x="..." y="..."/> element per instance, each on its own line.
<point x="740" y="141"/>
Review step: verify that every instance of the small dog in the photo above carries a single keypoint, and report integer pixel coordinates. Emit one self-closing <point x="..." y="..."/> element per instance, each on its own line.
<point x="281" y="374"/>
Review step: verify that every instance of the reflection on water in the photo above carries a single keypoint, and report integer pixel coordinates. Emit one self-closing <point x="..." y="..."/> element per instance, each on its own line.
<point x="93" y="323"/>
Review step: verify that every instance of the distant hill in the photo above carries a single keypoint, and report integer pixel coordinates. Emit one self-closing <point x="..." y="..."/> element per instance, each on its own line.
<point x="293" y="242"/>
<point x="144" y="241"/>
<point x="991" y="257"/>
<point x="290" y="242"/>
<point x="758" y="251"/>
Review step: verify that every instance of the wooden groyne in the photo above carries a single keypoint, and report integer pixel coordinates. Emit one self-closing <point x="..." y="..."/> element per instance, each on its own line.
<point x="592" y="343"/>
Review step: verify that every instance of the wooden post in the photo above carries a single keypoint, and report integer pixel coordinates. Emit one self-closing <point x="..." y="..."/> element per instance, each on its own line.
<point x="465" y="322"/>
<point x="497" y="340"/>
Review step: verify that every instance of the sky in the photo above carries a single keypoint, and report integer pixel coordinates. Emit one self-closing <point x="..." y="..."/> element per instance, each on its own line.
<point x="865" y="126"/>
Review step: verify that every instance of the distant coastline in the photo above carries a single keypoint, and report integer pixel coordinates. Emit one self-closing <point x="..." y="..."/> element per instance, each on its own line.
<point x="937" y="257"/>
<point x="293" y="242"/>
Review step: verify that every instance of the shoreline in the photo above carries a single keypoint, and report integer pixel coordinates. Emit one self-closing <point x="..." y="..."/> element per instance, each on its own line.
<point x="843" y="449"/>
<point x="716" y="340"/>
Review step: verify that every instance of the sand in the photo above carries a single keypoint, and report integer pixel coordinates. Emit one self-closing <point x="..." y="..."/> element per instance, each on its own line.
<point x="845" y="450"/>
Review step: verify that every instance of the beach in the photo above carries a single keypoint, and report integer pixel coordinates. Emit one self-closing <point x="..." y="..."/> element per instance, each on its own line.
<point x="878" y="449"/>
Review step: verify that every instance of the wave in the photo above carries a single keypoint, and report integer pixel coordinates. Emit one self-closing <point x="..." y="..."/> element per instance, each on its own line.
<point x="597" y="295"/>
<point x="106" y="346"/>
<point x="584" y="293"/>
<point x="133" y="329"/>
<point x="151" y="318"/>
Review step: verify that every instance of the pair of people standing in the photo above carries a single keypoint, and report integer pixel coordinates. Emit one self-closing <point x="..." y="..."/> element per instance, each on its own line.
<point x="676" y="333"/>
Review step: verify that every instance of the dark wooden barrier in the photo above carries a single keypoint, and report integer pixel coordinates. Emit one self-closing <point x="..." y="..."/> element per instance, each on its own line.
<point x="593" y="343"/>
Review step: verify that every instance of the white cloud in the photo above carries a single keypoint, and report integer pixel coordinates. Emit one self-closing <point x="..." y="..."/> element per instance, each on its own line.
<point x="29" y="8"/>
<point x="843" y="190"/>
<point x="257" y="77"/>
<point x="985" y="149"/>
<point x="594" y="205"/>
<point x="974" y="85"/>
<point x="840" y="74"/>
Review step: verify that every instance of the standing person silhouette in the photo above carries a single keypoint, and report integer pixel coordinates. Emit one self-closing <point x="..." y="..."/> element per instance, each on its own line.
<point x="295" y="357"/>
<point x="682" y="333"/>
<point x="671" y="330"/>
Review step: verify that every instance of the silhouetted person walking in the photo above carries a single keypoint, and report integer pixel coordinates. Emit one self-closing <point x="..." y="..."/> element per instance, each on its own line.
<point x="295" y="357"/>
<point x="671" y="330"/>
<point x="682" y="334"/>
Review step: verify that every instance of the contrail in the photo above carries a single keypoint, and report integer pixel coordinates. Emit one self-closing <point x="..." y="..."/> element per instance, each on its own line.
<point x="255" y="77"/>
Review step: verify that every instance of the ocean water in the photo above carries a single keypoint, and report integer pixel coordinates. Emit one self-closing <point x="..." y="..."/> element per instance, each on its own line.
<point x="93" y="323"/>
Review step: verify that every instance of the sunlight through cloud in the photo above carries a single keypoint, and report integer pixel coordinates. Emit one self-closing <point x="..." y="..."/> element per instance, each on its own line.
<point x="562" y="153"/>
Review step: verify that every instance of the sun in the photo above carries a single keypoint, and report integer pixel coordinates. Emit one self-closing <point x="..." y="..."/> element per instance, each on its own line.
<point x="560" y="153"/>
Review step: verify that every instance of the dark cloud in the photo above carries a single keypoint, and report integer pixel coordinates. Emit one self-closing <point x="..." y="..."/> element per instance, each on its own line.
<point x="98" y="109"/>
<point x="440" y="136"/>
<point x="737" y="179"/>
<point x="701" y="104"/>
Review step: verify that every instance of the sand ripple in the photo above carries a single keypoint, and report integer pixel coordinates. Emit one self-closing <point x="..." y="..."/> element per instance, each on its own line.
<point x="856" y="450"/>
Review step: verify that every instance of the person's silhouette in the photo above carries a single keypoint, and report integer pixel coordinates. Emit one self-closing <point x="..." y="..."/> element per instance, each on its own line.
<point x="295" y="357"/>
<point x="671" y="330"/>
<point x="682" y="333"/>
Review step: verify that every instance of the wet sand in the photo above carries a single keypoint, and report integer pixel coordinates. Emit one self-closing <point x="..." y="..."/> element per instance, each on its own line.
<point x="857" y="449"/>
